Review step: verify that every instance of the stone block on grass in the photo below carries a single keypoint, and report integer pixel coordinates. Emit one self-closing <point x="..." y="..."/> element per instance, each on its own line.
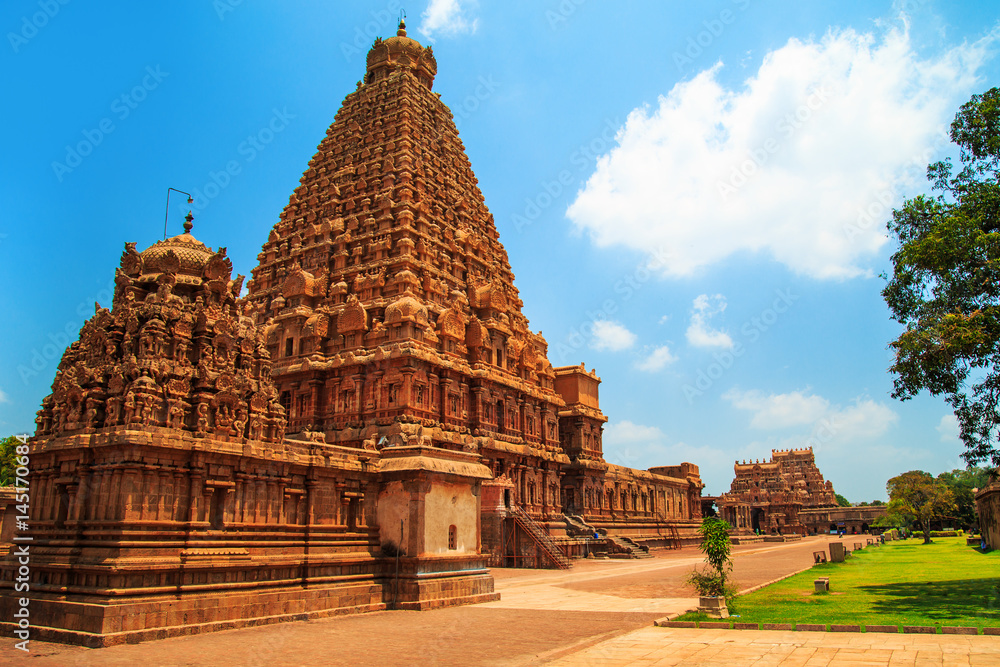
<point x="845" y="628"/>
<point x="919" y="630"/>
<point x="746" y="626"/>
<point x="814" y="627"/>
<point x="949" y="630"/>
<point x="677" y="624"/>
<point x="991" y="631"/>
<point x="713" y="625"/>
<point x="777" y="626"/>
<point x="882" y="628"/>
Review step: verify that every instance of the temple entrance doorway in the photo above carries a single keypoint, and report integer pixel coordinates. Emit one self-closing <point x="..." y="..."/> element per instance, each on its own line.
<point x="757" y="519"/>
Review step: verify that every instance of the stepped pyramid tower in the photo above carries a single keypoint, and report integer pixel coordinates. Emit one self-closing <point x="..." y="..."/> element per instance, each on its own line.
<point x="389" y="302"/>
<point x="775" y="496"/>
<point x="370" y="427"/>
<point x="391" y="317"/>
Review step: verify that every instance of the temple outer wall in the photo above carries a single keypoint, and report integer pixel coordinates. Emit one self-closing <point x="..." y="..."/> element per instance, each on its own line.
<point x="988" y="509"/>
<point x="852" y="519"/>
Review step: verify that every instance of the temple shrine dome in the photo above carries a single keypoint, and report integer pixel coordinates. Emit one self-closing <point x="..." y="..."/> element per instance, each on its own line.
<point x="192" y="254"/>
<point x="400" y="53"/>
<point x="183" y="255"/>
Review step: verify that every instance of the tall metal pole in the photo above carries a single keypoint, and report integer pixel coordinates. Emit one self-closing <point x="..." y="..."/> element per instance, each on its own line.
<point x="167" y="213"/>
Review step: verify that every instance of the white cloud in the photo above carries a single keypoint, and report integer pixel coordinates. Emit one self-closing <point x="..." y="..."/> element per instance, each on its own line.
<point x="949" y="430"/>
<point x="698" y="333"/>
<point x="611" y="336"/>
<point x="4" y="398"/>
<point x="825" y="133"/>
<point x="863" y="420"/>
<point x="776" y="411"/>
<point x="629" y="433"/>
<point x="448" y="18"/>
<point x="657" y="360"/>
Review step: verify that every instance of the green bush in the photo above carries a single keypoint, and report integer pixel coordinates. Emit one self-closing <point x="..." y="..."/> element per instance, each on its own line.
<point x="946" y="533"/>
<point x="716" y="546"/>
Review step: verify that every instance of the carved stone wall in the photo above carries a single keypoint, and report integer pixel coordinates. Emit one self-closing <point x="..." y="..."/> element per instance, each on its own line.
<point x="177" y="350"/>
<point x="769" y="495"/>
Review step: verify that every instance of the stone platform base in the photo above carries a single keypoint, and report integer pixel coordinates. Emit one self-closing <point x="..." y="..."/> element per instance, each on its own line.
<point x="439" y="603"/>
<point x="100" y="621"/>
<point x="432" y="583"/>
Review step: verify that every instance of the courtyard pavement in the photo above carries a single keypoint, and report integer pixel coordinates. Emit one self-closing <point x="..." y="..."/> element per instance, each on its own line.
<point x="598" y="613"/>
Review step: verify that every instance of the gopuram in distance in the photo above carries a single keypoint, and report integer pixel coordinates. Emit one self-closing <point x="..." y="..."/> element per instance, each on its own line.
<point x="370" y="428"/>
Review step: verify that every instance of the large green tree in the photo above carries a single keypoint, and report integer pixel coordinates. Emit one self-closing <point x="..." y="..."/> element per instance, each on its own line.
<point x="918" y="495"/>
<point x="945" y="287"/>
<point x="962" y="482"/>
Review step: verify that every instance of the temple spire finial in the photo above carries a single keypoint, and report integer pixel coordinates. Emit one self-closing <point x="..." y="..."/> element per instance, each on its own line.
<point x="187" y="222"/>
<point x="401" y="32"/>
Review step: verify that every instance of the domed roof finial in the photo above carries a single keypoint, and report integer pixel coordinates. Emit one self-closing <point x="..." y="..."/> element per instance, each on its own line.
<point x="187" y="223"/>
<point x="401" y="32"/>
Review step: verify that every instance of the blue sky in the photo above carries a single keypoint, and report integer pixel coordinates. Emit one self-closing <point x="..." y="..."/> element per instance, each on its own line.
<point x="692" y="195"/>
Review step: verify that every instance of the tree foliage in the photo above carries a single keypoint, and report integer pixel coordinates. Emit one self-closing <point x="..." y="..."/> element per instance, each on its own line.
<point x="917" y="495"/>
<point x="945" y="287"/>
<point x="962" y="482"/>
<point x="842" y="501"/>
<point x="716" y="546"/>
<point x="8" y="460"/>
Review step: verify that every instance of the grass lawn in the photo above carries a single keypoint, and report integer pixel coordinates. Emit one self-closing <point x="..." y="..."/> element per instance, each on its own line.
<point x="900" y="583"/>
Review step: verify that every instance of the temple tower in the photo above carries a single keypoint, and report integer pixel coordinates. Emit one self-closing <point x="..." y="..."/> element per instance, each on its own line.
<point x="389" y="303"/>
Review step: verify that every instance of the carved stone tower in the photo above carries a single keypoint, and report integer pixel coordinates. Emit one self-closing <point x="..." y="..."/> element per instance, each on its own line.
<point x="390" y="310"/>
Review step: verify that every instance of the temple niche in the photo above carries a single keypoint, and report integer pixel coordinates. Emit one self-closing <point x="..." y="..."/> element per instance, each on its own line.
<point x="774" y="497"/>
<point x="372" y="425"/>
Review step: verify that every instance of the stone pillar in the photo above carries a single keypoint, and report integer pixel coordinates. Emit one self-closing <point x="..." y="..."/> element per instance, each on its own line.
<point x="358" y="390"/>
<point x="311" y="485"/>
<point x="478" y="393"/>
<point x="80" y="494"/>
<point x="175" y="514"/>
<point x="315" y="387"/>
<point x="194" y="495"/>
<point x="406" y="400"/>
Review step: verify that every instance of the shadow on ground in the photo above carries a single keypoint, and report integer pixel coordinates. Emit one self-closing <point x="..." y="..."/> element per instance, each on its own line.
<point x="942" y="601"/>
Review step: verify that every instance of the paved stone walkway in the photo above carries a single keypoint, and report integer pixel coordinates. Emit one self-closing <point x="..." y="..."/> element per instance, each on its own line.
<point x="598" y="613"/>
<point x="668" y="646"/>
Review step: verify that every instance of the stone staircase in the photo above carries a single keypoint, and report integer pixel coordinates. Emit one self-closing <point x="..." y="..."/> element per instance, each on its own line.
<point x="628" y="546"/>
<point x="577" y="527"/>
<point x="545" y="543"/>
